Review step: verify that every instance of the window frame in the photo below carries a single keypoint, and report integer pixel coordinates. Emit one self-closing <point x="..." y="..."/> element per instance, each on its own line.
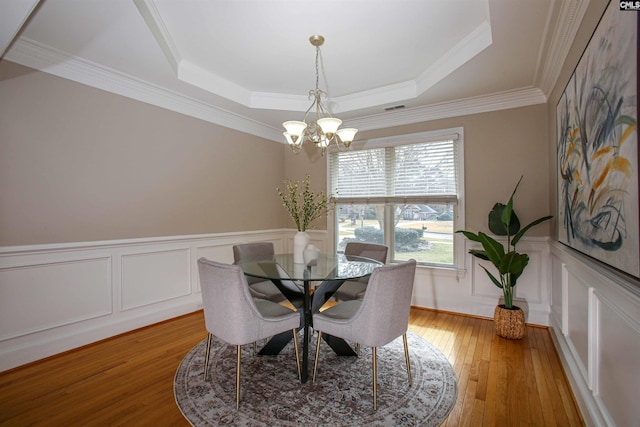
<point x="458" y="209"/>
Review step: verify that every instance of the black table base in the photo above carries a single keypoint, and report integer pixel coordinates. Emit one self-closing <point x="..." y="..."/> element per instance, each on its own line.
<point x="307" y="304"/>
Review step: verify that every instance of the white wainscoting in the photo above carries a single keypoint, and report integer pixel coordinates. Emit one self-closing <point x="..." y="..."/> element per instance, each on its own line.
<point x="595" y="324"/>
<point x="53" y="293"/>
<point x="471" y="291"/>
<point x="57" y="297"/>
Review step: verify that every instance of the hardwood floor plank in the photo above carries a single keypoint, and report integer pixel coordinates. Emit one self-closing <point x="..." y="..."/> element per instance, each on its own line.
<point x="492" y="385"/>
<point x="128" y="379"/>
<point x="499" y="355"/>
<point x="520" y="393"/>
<point x="463" y="347"/>
<point x="488" y="333"/>
<point x="466" y="414"/>
<point x="480" y="365"/>
<point x="547" y="356"/>
<point x="483" y="376"/>
<point x="562" y="383"/>
<point x="533" y="396"/>
<point x="450" y="339"/>
<point x="455" y="417"/>
<point x="543" y="392"/>
<point x="477" y="414"/>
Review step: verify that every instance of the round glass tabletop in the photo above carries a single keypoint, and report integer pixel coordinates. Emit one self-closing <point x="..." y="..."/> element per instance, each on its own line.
<point x="327" y="267"/>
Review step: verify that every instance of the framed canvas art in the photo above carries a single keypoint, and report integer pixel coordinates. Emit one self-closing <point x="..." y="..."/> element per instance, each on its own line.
<point x="597" y="146"/>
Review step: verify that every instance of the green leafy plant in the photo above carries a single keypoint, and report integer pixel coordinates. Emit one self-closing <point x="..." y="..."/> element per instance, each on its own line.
<point x="303" y="205"/>
<point x="510" y="264"/>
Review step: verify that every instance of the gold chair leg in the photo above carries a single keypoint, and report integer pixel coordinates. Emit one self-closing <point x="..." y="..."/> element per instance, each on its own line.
<point x="406" y="357"/>
<point x="295" y="346"/>
<point x="206" y="356"/>
<point x="239" y="353"/>
<point x="315" y="363"/>
<point x="358" y="349"/>
<point x="375" y="379"/>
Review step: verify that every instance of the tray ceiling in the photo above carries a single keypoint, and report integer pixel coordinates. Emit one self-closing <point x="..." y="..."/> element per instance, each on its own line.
<point x="249" y="64"/>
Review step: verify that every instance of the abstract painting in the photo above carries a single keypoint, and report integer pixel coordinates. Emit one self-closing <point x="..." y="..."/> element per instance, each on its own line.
<point x="598" y="146"/>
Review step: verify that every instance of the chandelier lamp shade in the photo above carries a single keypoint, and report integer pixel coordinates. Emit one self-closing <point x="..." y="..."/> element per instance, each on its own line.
<point x="325" y="130"/>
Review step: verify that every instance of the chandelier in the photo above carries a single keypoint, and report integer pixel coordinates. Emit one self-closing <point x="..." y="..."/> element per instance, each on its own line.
<point x="324" y="130"/>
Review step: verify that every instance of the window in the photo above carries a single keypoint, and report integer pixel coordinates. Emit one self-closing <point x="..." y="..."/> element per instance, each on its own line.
<point x="405" y="192"/>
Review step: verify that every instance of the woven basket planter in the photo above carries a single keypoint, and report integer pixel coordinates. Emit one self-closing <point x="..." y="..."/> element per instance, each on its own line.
<point x="509" y="322"/>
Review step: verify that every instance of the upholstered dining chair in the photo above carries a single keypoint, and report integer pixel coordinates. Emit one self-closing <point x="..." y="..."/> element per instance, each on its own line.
<point x="379" y="318"/>
<point x="259" y="288"/>
<point x="235" y="317"/>
<point x="354" y="289"/>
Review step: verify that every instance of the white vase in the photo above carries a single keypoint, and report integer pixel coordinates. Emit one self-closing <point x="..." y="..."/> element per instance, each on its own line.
<point x="300" y="242"/>
<point x="310" y="255"/>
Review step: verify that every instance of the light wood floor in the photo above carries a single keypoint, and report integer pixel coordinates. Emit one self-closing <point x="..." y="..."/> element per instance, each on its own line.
<point x="128" y="380"/>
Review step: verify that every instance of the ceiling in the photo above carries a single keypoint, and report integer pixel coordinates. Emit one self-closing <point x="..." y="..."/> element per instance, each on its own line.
<point x="249" y="64"/>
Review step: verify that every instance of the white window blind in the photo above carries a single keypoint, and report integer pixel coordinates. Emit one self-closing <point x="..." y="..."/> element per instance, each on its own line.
<point x="413" y="173"/>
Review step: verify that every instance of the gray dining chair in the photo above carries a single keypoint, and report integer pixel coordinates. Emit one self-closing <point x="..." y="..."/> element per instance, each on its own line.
<point x="235" y="317"/>
<point x="355" y="289"/>
<point x="379" y="318"/>
<point x="259" y="288"/>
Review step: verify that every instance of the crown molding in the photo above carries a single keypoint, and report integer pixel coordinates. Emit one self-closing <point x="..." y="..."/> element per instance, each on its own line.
<point x="476" y="41"/>
<point x="44" y="58"/>
<point x="49" y="60"/>
<point x="471" y="46"/>
<point x="465" y="50"/>
<point x="380" y="96"/>
<point x="191" y="73"/>
<point x="480" y="104"/>
<point x="152" y="18"/>
<point x="569" y="20"/>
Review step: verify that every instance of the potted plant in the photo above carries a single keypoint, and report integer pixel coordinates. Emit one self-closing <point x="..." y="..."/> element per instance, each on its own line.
<point x="304" y="207"/>
<point x="503" y="221"/>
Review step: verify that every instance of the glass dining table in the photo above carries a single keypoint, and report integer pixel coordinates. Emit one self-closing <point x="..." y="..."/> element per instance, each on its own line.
<point x="294" y="281"/>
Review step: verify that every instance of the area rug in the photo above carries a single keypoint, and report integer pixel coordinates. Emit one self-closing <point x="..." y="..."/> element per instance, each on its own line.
<point x="271" y="394"/>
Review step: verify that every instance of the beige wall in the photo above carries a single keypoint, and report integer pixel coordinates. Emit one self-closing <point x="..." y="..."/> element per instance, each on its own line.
<point x="80" y="164"/>
<point x="308" y="161"/>
<point x="499" y="147"/>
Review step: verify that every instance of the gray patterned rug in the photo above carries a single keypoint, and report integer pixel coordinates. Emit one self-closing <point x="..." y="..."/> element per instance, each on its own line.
<point x="271" y="394"/>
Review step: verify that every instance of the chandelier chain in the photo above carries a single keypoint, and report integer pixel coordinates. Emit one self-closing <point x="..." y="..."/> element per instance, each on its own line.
<point x="317" y="72"/>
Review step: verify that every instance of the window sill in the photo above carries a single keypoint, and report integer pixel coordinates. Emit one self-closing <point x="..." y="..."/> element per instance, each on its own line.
<point x="451" y="272"/>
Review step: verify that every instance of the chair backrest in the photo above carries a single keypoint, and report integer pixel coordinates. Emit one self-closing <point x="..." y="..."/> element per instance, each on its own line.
<point x="229" y="310"/>
<point x="384" y="312"/>
<point x="367" y="250"/>
<point x="257" y="250"/>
